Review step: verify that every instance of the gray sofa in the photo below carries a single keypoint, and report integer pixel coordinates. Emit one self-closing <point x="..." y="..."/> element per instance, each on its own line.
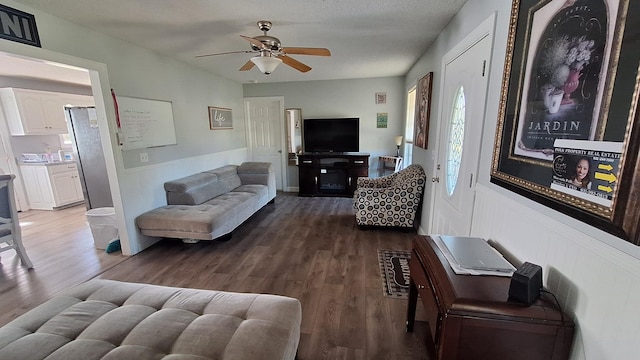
<point x="211" y="204"/>
<point x="104" y="319"/>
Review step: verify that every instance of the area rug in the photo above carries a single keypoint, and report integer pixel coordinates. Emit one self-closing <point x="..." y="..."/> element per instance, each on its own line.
<point x="394" y="269"/>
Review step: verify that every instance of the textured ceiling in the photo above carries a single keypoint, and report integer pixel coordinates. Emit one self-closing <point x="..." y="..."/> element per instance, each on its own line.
<point x="367" y="38"/>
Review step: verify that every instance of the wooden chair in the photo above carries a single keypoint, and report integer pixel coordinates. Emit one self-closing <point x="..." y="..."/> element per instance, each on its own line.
<point x="10" y="234"/>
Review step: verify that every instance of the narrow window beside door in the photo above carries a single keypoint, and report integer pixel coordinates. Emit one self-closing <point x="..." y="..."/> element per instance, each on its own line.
<point x="456" y="140"/>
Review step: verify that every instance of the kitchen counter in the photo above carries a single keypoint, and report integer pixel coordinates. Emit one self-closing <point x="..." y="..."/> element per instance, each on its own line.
<point x="48" y="163"/>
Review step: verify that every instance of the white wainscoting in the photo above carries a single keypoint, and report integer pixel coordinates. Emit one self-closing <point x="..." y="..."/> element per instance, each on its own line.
<point x="598" y="285"/>
<point x="143" y="188"/>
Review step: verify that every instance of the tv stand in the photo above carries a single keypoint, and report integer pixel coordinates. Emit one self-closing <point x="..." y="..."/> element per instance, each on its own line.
<point x="331" y="174"/>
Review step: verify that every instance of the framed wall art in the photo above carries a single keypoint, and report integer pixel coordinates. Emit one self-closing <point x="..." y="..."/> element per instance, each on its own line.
<point x="381" y="98"/>
<point x="381" y="120"/>
<point x="567" y="133"/>
<point x="423" y="111"/>
<point x="220" y="118"/>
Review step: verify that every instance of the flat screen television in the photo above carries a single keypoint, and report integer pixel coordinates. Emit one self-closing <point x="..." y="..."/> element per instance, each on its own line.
<point x="331" y="135"/>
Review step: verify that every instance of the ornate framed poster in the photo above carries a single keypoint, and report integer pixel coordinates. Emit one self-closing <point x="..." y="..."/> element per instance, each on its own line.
<point x="423" y="111"/>
<point x="567" y="133"/>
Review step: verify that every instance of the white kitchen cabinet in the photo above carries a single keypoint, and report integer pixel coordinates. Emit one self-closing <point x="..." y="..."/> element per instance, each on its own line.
<point x="33" y="112"/>
<point x="52" y="186"/>
<point x="38" y="187"/>
<point x="65" y="183"/>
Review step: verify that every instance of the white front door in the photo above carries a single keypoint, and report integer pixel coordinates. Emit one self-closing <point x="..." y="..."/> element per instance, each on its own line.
<point x="265" y="132"/>
<point x="461" y="124"/>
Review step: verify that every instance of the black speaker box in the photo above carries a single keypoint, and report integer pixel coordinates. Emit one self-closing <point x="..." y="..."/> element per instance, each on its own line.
<point x="526" y="283"/>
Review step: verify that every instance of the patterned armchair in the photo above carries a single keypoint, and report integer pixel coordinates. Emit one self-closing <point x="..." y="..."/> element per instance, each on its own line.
<point x="391" y="200"/>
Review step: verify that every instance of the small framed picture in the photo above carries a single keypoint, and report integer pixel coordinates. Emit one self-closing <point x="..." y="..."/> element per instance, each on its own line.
<point x="381" y="98"/>
<point x="220" y="118"/>
<point x="381" y="120"/>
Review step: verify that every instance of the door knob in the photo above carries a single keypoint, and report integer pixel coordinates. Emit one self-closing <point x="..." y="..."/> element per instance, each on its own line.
<point x="435" y="179"/>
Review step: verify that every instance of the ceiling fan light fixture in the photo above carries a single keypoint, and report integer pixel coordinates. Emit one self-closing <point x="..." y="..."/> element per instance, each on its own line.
<point x="266" y="64"/>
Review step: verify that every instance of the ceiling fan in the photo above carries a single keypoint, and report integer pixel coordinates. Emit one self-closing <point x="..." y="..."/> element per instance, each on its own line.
<point x="271" y="53"/>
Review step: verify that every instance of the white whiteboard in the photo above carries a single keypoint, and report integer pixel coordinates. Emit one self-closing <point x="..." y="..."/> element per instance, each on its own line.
<point x="145" y="123"/>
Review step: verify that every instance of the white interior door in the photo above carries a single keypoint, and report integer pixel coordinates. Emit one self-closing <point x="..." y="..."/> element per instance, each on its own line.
<point x="463" y="106"/>
<point x="265" y="124"/>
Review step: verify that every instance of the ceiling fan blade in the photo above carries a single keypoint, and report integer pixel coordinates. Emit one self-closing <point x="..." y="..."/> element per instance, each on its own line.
<point x="247" y="66"/>
<point x="306" y="51"/>
<point x="228" y="52"/>
<point x="255" y="42"/>
<point x="294" y="63"/>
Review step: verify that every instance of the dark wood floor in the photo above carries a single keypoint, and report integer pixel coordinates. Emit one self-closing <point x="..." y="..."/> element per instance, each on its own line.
<point x="307" y="248"/>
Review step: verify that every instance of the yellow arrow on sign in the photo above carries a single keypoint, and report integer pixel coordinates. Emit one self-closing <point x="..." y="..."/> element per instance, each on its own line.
<point x="606" y="177"/>
<point x="605" y="167"/>
<point x="605" y="188"/>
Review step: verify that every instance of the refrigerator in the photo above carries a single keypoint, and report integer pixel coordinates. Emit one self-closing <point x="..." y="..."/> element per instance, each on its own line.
<point x="88" y="154"/>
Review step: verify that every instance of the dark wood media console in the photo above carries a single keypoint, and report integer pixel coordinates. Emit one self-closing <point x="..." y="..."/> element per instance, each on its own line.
<point x="331" y="174"/>
<point x="470" y="317"/>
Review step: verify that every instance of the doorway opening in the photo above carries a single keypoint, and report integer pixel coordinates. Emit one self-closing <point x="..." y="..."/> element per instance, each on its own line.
<point x="64" y="225"/>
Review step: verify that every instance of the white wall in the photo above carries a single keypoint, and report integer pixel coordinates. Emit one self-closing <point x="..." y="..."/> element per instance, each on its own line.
<point x="137" y="72"/>
<point x="598" y="285"/>
<point x="345" y="98"/>
<point x="595" y="275"/>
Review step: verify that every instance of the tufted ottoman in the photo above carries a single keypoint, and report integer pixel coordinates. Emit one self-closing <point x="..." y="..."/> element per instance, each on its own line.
<point x="104" y="319"/>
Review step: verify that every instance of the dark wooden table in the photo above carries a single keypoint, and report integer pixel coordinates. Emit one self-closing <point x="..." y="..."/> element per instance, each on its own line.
<point x="470" y="316"/>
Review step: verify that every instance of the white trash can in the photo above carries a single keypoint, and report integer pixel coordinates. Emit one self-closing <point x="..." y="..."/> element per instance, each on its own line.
<point x="104" y="229"/>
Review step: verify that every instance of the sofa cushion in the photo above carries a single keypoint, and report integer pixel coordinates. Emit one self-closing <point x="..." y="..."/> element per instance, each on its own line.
<point x="184" y="218"/>
<point x="201" y="218"/>
<point x="254" y="168"/>
<point x="224" y="171"/>
<point x="256" y="173"/>
<point x="193" y="190"/>
<point x="190" y="182"/>
<point x="227" y="178"/>
<point x="104" y="319"/>
<point x="230" y="205"/>
<point x="259" y="190"/>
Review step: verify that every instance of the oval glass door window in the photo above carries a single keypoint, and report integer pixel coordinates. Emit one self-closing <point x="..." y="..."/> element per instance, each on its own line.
<point x="456" y="140"/>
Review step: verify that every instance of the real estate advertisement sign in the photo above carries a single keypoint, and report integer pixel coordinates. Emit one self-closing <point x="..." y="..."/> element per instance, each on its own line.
<point x="586" y="169"/>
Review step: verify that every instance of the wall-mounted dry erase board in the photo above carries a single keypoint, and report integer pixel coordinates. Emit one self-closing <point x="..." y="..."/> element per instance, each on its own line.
<point x="145" y="123"/>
